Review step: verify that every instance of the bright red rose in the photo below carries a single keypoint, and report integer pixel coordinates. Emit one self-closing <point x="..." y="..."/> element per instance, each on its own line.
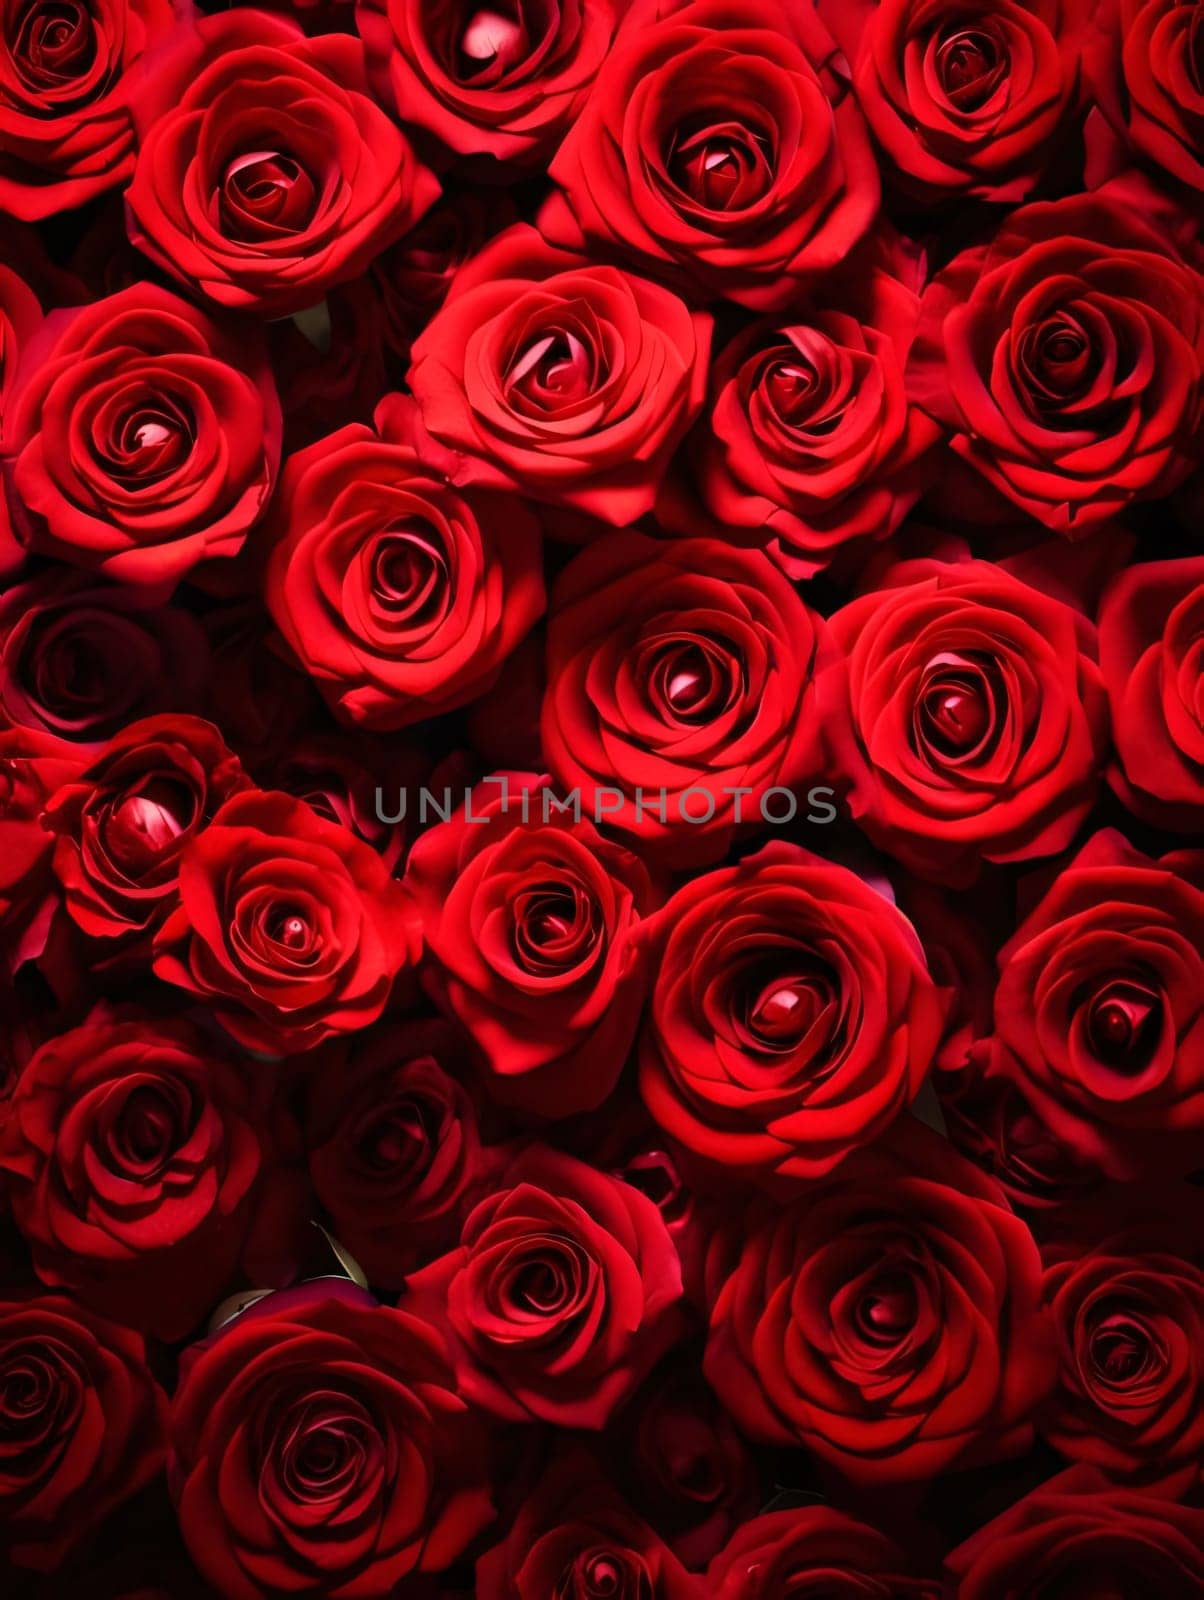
<point x="399" y="595"/>
<point x="1080" y="1535"/>
<point x="561" y="1295"/>
<point x="81" y="658"/>
<point x="318" y="1447"/>
<point x="500" y="82"/>
<point x="82" y="1424"/>
<point x="1099" y="1013"/>
<point x="721" y="145"/>
<point x="132" y="1152"/>
<point x="32" y="766"/>
<point x="576" y="1538"/>
<point x="67" y="78"/>
<point x="690" y="693"/>
<point x="122" y="823"/>
<point x="1129" y="1319"/>
<point x="1066" y="357"/>
<point x="140" y="438"/>
<point x="1151" y="648"/>
<point x="288" y="926"/>
<point x="792" y="1015"/>
<point x="888" y="1320"/>
<point x="979" y="708"/>
<point x="963" y="99"/>
<point x="568" y="381"/>
<point x="1145" y="68"/>
<point x="815" y="1549"/>
<point x="530" y="921"/>
<point x="394" y="1153"/>
<point x="265" y="171"/>
<point x="808" y="443"/>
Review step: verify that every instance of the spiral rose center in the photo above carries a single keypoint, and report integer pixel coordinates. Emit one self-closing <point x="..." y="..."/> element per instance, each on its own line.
<point x="265" y="193"/>
<point x="887" y="1310"/>
<point x="1124" y="1024"/>
<point x="54" y="44"/>
<point x="693" y="681"/>
<point x="958" y="709"/>
<point x="147" y="440"/>
<point x="145" y="1132"/>
<point x="1120" y="1351"/>
<point x="1058" y="361"/>
<point x="556" y="926"/>
<point x="492" y="41"/>
<point x="604" y="1575"/>
<point x="399" y="1140"/>
<point x="555" y="370"/>
<point x="145" y="823"/>
<point x="970" y="62"/>
<point x="721" y="166"/>
<point x="322" y="1452"/>
<point x="29" y="1388"/>
<point x="410" y="575"/>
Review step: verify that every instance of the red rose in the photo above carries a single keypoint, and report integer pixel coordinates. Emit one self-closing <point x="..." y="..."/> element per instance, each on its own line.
<point x="132" y="1152"/>
<point x="20" y="317"/>
<point x="791" y="1552"/>
<point x="792" y="1015"/>
<point x="565" y="380"/>
<point x="81" y="659"/>
<point x="888" y="1320"/>
<point x="1099" y="1012"/>
<point x="1129" y="1318"/>
<point x="576" y="1538"/>
<point x="1143" y="66"/>
<point x="1151" y="646"/>
<point x="721" y="144"/>
<point x="393" y="1146"/>
<point x="288" y="925"/>
<point x="124" y="820"/>
<point x="399" y="595"/>
<point x="690" y="692"/>
<point x="82" y="1424"/>
<point x="963" y="100"/>
<point x="319" y="1448"/>
<point x="32" y="766"/>
<point x="978" y="706"/>
<point x="1080" y="1535"/>
<point x="530" y="923"/>
<point x="809" y="443"/>
<point x="502" y="83"/>
<point x="265" y="172"/>
<point x="1066" y="358"/>
<point x="561" y="1295"/>
<point x="141" y="437"/>
<point x="66" y="129"/>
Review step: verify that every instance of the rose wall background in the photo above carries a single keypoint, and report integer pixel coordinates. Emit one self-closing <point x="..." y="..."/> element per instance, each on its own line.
<point x="745" y="453"/>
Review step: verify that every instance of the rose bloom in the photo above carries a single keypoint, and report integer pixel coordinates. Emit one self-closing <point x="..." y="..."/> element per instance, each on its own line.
<point x="1144" y="69"/>
<point x="131" y="1152"/>
<point x="1099" y="1013"/>
<point x="566" y="380"/>
<point x="141" y="438"/>
<point x="792" y="1014"/>
<point x="399" y="595"/>
<point x="80" y="658"/>
<point x="792" y="1552"/>
<point x="720" y="144"/>
<point x="122" y="822"/>
<point x="562" y="1294"/>
<point x="33" y="765"/>
<point x="265" y="171"/>
<point x="1151" y="645"/>
<point x="576" y="1537"/>
<point x="808" y="442"/>
<point x="1129" y="1318"/>
<point x="963" y="100"/>
<point x="288" y="926"/>
<point x="82" y="1424"/>
<point x="318" y="1447"/>
<point x="1066" y="357"/>
<point x="530" y="929"/>
<point x="393" y="1148"/>
<point x="66" y="82"/>
<point x="505" y="83"/>
<point x="1079" y="1534"/>
<point x="978" y="706"/>
<point x="692" y="667"/>
<point x="888" y="1320"/>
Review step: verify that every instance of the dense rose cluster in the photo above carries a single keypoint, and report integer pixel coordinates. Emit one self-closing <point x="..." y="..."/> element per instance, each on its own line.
<point x="601" y="799"/>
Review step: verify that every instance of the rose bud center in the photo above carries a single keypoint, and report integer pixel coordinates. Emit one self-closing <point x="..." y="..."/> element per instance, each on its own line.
<point x="146" y="823"/>
<point x="721" y="166"/>
<point x="55" y="44"/>
<point x="265" y="193"/>
<point x="970" y="65"/>
<point x="1124" y="1024"/>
